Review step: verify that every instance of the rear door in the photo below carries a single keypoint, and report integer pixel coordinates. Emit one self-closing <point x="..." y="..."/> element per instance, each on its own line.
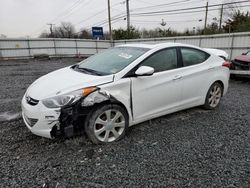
<point x="156" y="94"/>
<point x="195" y="75"/>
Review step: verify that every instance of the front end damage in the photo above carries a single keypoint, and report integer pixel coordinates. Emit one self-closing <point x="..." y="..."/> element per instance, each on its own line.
<point x="72" y="117"/>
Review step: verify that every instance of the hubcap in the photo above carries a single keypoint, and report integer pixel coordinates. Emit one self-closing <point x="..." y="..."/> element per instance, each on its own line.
<point x="109" y="125"/>
<point x="214" y="96"/>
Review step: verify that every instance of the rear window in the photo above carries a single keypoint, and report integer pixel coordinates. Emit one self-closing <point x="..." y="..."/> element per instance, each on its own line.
<point x="191" y="56"/>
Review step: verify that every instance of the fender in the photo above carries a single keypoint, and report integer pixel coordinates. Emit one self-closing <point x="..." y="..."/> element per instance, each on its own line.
<point x="72" y="117"/>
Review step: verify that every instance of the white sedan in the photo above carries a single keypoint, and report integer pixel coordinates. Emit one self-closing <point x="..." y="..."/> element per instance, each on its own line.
<point x="123" y="86"/>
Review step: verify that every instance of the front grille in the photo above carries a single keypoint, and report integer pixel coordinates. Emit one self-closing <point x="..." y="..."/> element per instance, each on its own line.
<point x="31" y="101"/>
<point x="30" y="121"/>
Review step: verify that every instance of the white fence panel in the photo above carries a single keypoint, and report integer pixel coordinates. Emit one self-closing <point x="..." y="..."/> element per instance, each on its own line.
<point x="15" y="44"/>
<point x="241" y="41"/>
<point x="87" y="52"/>
<point x="66" y="51"/>
<point x="41" y="43"/>
<point x="234" y="44"/>
<point x="65" y="43"/>
<point x="188" y="41"/>
<point x="103" y="44"/>
<point x="86" y="44"/>
<point x="15" y="53"/>
<point x="49" y="51"/>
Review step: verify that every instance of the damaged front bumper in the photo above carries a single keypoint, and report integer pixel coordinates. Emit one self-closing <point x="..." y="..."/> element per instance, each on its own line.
<point x="39" y="119"/>
<point x="72" y="118"/>
<point x="66" y="121"/>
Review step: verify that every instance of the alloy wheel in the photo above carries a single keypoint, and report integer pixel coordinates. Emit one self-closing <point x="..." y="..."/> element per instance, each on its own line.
<point x="215" y="96"/>
<point x="109" y="125"/>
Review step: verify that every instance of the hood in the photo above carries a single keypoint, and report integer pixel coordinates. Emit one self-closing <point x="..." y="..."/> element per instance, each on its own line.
<point x="245" y="58"/>
<point x="63" y="81"/>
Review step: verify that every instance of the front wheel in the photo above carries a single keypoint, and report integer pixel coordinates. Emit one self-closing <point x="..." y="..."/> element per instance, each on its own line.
<point x="213" y="97"/>
<point x="107" y="123"/>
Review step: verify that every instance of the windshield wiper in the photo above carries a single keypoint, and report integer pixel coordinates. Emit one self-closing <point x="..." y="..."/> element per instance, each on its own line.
<point x="89" y="71"/>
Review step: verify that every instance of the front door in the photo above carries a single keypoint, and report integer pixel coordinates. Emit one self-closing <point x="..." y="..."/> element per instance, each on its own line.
<point x="155" y="95"/>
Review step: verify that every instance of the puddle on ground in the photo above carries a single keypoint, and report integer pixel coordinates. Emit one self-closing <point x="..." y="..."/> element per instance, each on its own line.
<point x="8" y="116"/>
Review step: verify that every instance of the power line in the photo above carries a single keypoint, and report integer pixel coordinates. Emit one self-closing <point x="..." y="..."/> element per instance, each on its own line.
<point x="116" y="17"/>
<point x="68" y="10"/>
<point x="191" y="8"/>
<point x="184" y="12"/>
<point x="172" y="21"/>
<point x="98" y="13"/>
<point x="146" y="7"/>
<point x="72" y="6"/>
<point x="73" y="11"/>
<point x="161" y="5"/>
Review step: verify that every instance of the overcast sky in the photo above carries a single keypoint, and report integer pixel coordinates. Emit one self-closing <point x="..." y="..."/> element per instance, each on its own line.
<point x="22" y="18"/>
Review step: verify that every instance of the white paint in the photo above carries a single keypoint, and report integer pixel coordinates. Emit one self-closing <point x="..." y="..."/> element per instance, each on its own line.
<point x="152" y="96"/>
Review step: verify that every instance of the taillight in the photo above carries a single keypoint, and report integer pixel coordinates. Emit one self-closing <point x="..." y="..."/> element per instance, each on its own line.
<point x="227" y="64"/>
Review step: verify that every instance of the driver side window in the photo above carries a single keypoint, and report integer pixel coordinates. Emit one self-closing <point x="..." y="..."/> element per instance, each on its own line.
<point x="163" y="60"/>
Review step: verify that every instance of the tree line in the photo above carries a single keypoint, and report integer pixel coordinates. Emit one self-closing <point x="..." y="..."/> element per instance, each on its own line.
<point x="239" y="22"/>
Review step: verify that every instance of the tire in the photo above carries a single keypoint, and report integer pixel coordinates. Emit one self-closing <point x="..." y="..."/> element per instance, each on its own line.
<point x="106" y="123"/>
<point x="213" y="96"/>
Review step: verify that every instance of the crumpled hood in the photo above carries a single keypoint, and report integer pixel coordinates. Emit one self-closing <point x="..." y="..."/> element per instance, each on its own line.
<point x="63" y="81"/>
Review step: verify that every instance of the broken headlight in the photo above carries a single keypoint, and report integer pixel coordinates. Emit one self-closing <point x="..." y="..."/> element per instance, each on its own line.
<point x="67" y="99"/>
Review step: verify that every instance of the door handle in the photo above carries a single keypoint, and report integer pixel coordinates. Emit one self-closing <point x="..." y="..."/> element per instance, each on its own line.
<point x="177" y="77"/>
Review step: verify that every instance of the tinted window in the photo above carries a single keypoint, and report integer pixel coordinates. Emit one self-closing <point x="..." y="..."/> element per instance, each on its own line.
<point x="192" y="56"/>
<point x="162" y="60"/>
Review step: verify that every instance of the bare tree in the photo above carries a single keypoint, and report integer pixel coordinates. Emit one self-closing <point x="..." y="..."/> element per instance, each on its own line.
<point x="65" y="30"/>
<point x="230" y="9"/>
<point x="85" y="34"/>
<point x="44" y="34"/>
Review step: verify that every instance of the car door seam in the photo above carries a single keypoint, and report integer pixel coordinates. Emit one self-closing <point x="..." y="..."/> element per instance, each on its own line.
<point x="131" y="99"/>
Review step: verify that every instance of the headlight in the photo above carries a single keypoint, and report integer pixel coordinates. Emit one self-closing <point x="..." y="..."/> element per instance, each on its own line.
<point x="67" y="99"/>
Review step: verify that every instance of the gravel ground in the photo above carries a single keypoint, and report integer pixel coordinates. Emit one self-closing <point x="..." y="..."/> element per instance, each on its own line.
<point x="191" y="148"/>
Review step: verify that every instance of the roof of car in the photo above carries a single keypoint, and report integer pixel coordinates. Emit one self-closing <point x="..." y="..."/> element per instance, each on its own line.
<point x="151" y="46"/>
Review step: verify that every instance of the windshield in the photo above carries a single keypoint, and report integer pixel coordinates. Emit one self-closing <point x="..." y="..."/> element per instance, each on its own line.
<point x="112" y="60"/>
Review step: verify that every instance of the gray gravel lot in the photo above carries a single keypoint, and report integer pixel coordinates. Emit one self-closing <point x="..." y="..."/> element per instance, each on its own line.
<point x="192" y="148"/>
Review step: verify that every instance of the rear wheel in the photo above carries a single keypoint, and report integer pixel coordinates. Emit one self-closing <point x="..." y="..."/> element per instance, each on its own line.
<point x="213" y="97"/>
<point x="107" y="123"/>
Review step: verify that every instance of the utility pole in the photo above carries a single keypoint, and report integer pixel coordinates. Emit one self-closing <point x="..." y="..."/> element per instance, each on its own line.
<point x="205" y="26"/>
<point x="221" y="13"/>
<point x="109" y="17"/>
<point x="51" y="29"/>
<point x="128" y="15"/>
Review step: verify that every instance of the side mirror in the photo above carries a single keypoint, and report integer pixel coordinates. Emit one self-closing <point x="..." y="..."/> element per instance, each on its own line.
<point x="144" y="71"/>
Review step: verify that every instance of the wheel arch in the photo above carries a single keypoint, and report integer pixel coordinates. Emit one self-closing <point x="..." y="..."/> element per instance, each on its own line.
<point x="110" y="102"/>
<point x="222" y="85"/>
